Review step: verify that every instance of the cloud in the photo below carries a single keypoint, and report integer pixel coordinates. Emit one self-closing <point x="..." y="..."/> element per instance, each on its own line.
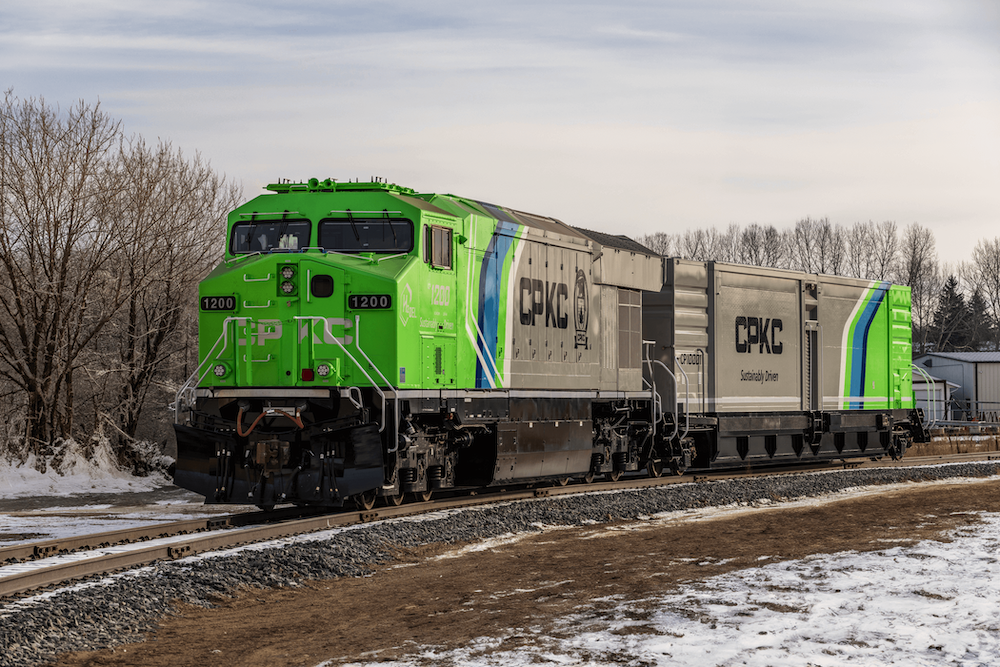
<point x="691" y="112"/>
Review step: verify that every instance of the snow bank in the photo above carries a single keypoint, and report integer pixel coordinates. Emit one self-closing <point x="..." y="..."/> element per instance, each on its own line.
<point x="70" y="472"/>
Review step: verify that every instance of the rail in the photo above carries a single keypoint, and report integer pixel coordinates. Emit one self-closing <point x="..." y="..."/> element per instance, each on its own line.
<point x="48" y="570"/>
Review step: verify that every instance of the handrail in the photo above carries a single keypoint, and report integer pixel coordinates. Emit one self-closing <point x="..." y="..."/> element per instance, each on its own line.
<point x="653" y="396"/>
<point x="357" y="344"/>
<point x="702" y="366"/>
<point x="357" y="212"/>
<point x="355" y="255"/>
<point x="327" y="329"/>
<point x="822" y="365"/>
<point x="657" y="400"/>
<point x="283" y="214"/>
<point x="188" y="386"/>
<point x="677" y="423"/>
<point x="256" y="361"/>
<point x="358" y="402"/>
<point x="932" y="397"/>
<point x="687" y="399"/>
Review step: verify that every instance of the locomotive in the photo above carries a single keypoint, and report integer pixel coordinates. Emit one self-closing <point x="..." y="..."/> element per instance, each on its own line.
<point x="362" y="340"/>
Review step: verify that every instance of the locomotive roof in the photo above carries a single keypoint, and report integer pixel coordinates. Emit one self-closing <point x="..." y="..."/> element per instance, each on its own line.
<point x="546" y="224"/>
<point x="541" y="222"/>
<point x="619" y="241"/>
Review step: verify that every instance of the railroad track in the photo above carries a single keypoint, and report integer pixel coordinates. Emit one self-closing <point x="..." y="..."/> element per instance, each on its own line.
<point x="40" y="565"/>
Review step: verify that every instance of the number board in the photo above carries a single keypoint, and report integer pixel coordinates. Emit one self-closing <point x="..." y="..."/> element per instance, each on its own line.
<point x="218" y="303"/>
<point x="361" y="301"/>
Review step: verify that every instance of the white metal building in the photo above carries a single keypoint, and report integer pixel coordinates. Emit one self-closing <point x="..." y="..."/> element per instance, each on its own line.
<point x="977" y="374"/>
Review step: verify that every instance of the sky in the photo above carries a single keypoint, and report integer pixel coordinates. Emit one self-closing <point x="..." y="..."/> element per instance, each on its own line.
<point x="630" y="117"/>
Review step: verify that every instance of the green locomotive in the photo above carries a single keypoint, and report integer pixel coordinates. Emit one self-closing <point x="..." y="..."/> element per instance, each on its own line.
<point x="363" y="340"/>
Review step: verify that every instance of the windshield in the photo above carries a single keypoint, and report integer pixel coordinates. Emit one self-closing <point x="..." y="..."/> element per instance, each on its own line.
<point x="269" y="235"/>
<point x="366" y="235"/>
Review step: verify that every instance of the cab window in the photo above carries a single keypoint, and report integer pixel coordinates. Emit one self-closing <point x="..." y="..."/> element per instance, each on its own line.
<point x="269" y="236"/>
<point x="437" y="247"/>
<point x="394" y="235"/>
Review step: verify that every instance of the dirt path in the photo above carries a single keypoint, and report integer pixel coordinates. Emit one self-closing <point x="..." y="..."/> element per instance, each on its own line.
<point x="424" y="598"/>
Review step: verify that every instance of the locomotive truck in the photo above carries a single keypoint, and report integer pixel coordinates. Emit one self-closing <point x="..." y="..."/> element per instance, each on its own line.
<point x="362" y="340"/>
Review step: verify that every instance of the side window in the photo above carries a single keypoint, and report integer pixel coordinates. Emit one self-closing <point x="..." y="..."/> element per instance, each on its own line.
<point x="437" y="247"/>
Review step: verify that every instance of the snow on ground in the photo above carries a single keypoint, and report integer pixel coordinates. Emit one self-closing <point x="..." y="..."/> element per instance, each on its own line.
<point x="72" y="474"/>
<point x="932" y="603"/>
<point x="79" y="496"/>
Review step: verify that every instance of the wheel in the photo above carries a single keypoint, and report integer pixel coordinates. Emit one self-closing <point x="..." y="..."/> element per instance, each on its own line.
<point x="614" y="476"/>
<point x="394" y="500"/>
<point x="654" y="468"/>
<point x="265" y="508"/>
<point x="589" y="477"/>
<point x="422" y="496"/>
<point x="366" y="500"/>
<point x="563" y="481"/>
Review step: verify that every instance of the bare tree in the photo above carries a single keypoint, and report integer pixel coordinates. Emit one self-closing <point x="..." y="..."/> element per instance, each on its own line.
<point x="816" y="246"/>
<point x="859" y="241"/>
<point x="59" y="232"/>
<point x="705" y="245"/>
<point x="762" y="246"/>
<point x="174" y="210"/>
<point x="918" y="268"/>
<point x="985" y="274"/>
<point x="659" y="242"/>
<point x="884" y="250"/>
<point x="727" y="244"/>
<point x="102" y="243"/>
<point x="696" y="244"/>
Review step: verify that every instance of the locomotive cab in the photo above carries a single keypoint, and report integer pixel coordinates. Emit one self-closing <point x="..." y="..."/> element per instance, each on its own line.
<point x="300" y="346"/>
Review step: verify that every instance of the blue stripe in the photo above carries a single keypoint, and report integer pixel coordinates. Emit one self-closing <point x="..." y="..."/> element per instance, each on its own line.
<point x="859" y="350"/>
<point x="490" y="281"/>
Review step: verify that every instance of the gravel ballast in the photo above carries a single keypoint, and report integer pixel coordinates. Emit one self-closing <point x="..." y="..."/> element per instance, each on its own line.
<point x="122" y="609"/>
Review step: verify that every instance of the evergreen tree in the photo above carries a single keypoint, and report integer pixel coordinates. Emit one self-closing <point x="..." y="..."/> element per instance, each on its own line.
<point x="980" y="326"/>
<point x="950" y="329"/>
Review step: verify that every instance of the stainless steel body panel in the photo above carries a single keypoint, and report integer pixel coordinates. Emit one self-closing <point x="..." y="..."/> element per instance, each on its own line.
<point x="741" y="339"/>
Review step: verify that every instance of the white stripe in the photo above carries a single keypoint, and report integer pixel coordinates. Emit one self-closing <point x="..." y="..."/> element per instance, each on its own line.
<point x="472" y="315"/>
<point x="843" y="339"/>
<point x="509" y="324"/>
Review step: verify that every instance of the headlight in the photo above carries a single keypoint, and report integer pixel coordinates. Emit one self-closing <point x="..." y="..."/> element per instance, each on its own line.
<point x="220" y="370"/>
<point x="287" y="287"/>
<point x="287" y="272"/>
<point x="323" y="370"/>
